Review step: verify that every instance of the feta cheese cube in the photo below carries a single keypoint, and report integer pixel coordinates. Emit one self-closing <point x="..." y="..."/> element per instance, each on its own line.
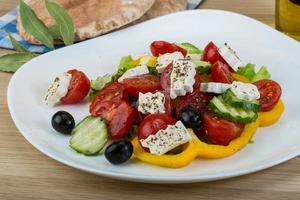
<point x="150" y="103"/>
<point x="214" y="87"/>
<point x="182" y="78"/>
<point x="58" y="89"/>
<point x="137" y="71"/>
<point x="245" y="91"/>
<point x="164" y="60"/>
<point x="166" y="140"/>
<point x="230" y="56"/>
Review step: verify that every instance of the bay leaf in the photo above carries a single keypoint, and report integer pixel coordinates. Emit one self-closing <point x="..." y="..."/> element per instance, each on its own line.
<point x="17" y="46"/>
<point x="34" y="26"/>
<point x="12" y="62"/>
<point x="63" y="21"/>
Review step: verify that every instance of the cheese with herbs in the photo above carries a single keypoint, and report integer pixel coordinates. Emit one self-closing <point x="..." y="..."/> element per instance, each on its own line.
<point x="182" y="78"/>
<point x="150" y="103"/>
<point x="245" y="91"/>
<point x="230" y="56"/>
<point x="167" y="139"/>
<point x="164" y="60"/>
<point x="58" y="89"/>
<point x="214" y="87"/>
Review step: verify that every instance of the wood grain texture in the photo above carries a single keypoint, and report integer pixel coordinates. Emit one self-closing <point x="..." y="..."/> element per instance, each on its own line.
<point x="25" y="173"/>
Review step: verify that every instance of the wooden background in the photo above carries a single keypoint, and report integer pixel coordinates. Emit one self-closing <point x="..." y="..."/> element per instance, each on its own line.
<point x="25" y="173"/>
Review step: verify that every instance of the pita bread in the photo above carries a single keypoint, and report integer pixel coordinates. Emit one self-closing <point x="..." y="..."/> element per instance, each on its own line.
<point x="163" y="7"/>
<point x="91" y="17"/>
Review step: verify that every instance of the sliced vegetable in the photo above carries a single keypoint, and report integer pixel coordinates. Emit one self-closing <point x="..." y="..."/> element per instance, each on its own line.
<point x="191" y="49"/>
<point x="218" y="106"/>
<point x="162" y="47"/>
<point x="148" y="60"/>
<point x="271" y="117"/>
<point x="220" y="73"/>
<point x="230" y="99"/>
<point x="202" y="66"/>
<point x="89" y="136"/>
<point x="101" y="82"/>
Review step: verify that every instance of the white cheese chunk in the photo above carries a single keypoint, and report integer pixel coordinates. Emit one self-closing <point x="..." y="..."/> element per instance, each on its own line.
<point x="58" y="89"/>
<point x="245" y="91"/>
<point x="150" y="103"/>
<point x="166" y="140"/>
<point x="182" y="78"/>
<point x="230" y="56"/>
<point x="137" y="71"/>
<point x="164" y="60"/>
<point x="193" y="56"/>
<point x="213" y="87"/>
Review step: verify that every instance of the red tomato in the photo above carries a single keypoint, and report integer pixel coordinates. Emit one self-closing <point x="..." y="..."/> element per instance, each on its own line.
<point x="220" y="73"/>
<point x="166" y="82"/>
<point x="162" y="47"/>
<point x="145" y="83"/>
<point x="221" y="131"/>
<point x="108" y="98"/>
<point x="153" y="123"/>
<point x="211" y="54"/>
<point x="168" y="106"/>
<point x="121" y="121"/>
<point x="78" y="88"/>
<point x="197" y="100"/>
<point x="270" y="92"/>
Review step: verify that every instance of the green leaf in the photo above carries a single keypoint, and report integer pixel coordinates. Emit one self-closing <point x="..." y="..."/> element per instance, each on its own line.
<point x="55" y="32"/>
<point x="17" y="46"/>
<point x="125" y="64"/>
<point x="248" y="71"/>
<point x="63" y="20"/>
<point x="12" y="62"/>
<point x="153" y="71"/>
<point x="34" y="26"/>
<point x="92" y="94"/>
<point x="261" y="74"/>
<point x="202" y="67"/>
<point x="101" y="82"/>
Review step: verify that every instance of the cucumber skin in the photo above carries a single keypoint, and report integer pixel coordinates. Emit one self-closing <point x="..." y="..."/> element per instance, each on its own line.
<point x="233" y="101"/>
<point x="229" y="117"/>
<point x="104" y="137"/>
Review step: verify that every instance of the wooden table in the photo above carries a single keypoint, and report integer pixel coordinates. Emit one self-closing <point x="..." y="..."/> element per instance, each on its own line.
<point x="25" y="173"/>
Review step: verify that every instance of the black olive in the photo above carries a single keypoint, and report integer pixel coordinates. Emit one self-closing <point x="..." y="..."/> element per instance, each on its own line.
<point x="63" y="122"/>
<point x="119" y="152"/>
<point x="190" y="117"/>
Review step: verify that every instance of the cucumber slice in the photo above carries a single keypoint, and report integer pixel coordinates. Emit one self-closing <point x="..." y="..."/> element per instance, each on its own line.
<point x="191" y="49"/>
<point x="230" y="99"/>
<point x="202" y="67"/>
<point x="217" y="106"/>
<point x="89" y="136"/>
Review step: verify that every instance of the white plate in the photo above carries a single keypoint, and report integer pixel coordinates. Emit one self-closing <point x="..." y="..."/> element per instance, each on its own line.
<point x="254" y="42"/>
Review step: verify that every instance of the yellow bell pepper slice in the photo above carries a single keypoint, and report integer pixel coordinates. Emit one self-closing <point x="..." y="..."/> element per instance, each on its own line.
<point x="272" y="116"/>
<point x="172" y="161"/>
<point x="145" y="60"/>
<point x="219" y="151"/>
<point x="240" y="78"/>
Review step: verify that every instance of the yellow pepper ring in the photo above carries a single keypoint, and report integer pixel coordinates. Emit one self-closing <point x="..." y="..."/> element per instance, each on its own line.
<point x="271" y="117"/>
<point x="172" y="161"/>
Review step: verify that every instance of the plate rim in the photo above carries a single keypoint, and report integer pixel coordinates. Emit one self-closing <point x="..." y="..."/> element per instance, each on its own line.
<point x="143" y="178"/>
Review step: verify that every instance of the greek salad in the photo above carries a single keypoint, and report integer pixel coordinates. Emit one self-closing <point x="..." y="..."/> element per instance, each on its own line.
<point x="169" y="107"/>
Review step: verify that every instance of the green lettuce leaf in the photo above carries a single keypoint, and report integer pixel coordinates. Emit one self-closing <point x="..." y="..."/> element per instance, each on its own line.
<point x="101" y="82"/>
<point x="261" y="74"/>
<point x="249" y="72"/>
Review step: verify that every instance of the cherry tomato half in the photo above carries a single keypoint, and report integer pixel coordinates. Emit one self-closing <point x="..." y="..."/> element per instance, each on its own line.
<point x="270" y="92"/>
<point x="121" y="121"/>
<point x="153" y="123"/>
<point x="211" y="54"/>
<point x="78" y="88"/>
<point x="162" y="47"/>
<point x="220" y="131"/>
<point x="165" y="80"/>
<point x="108" y="98"/>
<point x="220" y="73"/>
<point x="145" y="83"/>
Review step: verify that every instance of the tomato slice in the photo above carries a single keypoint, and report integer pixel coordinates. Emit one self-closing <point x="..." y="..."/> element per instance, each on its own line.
<point x="165" y="80"/>
<point x="78" y="88"/>
<point x="162" y="47"/>
<point x="270" y="92"/>
<point x="145" y="83"/>
<point x="211" y="54"/>
<point x="108" y="98"/>
<point x="220" y="131"/>
<point x="153" y="123"/>
<point x="121" y="121"/>
<point x="220" y="73"/>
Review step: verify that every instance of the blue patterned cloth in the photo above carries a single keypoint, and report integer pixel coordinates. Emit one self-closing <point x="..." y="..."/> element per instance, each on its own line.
<point x="8" y="22"/>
